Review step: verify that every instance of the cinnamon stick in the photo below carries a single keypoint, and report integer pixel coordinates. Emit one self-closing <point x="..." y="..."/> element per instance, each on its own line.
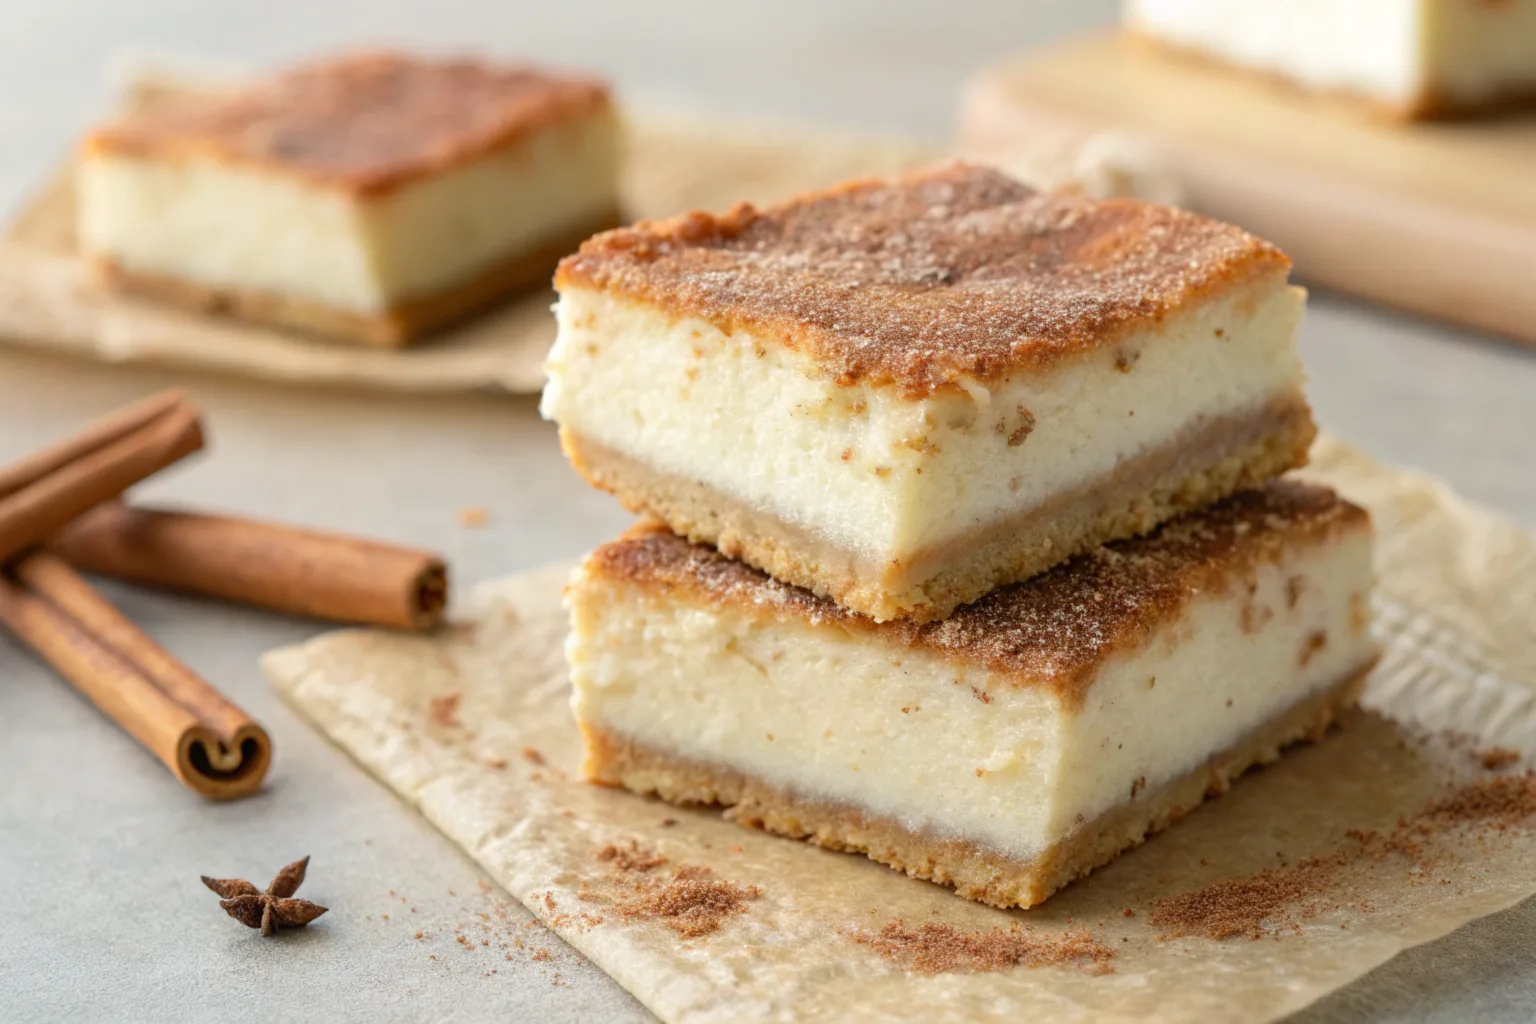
<point x="42" y="493"/>
<point x="207" y="742"/>
<point x="284" y="568"/>
<point x="112" y="427"/>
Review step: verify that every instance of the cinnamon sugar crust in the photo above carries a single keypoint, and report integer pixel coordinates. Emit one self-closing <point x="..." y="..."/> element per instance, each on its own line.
<point x="362" y="122"/>
<point x="1053" y="630"/>
<point x="940" y="275"/>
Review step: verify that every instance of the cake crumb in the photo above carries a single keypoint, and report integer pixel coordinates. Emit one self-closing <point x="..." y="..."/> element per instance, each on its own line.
<point x="1496" y="758"/>
<point x="474" y="516"/>
<point x="444" y="710"/>
<point x="937" y="948"/>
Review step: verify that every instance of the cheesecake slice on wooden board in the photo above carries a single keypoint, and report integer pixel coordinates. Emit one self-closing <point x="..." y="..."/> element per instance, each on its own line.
<point x="1434" y="217"/>
<point x="1401" y="58"/>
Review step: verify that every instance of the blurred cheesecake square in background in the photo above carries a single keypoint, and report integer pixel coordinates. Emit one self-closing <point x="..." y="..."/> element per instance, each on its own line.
<point x="371" y="198"/>
<point x="1409" y="58"/>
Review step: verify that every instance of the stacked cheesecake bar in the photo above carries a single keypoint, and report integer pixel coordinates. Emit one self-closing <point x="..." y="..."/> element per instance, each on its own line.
<point x="964" y="545"/>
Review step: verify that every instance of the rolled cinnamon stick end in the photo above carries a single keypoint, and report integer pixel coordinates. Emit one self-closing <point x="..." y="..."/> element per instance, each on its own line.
<point x="284" y="568"/>
<point x="210" y="745"/>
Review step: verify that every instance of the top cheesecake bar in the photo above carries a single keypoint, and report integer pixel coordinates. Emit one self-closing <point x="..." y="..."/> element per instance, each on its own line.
<point x="372" y="196"/>
<point x="902" y="394"/>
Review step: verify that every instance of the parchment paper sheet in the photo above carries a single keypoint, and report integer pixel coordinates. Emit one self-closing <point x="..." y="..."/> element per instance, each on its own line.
<point x="1455" y="606"/>
<point x="49" y="299"/>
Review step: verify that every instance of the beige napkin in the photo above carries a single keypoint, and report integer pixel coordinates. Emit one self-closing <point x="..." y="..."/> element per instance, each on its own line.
<point x="473" y="729"/>
<point x="50" y="300"/>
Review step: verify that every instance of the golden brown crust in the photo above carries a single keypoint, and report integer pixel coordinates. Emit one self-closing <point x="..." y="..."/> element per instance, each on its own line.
<point x="947" y="273"/>
<point x="1204" y="464"/>
<point x="362" y="122"/>
<point x="398" y="327"/>
<point x="975" y="872"/>
<point x="1053" y="630"/>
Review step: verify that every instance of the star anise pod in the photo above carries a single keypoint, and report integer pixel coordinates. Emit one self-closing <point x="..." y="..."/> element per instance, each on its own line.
<point x="270" y="910"/>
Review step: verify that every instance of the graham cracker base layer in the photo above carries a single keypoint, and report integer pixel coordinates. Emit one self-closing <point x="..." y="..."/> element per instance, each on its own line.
<point x="397" y="327"/>
<point x="974" y="872"/>
<point x="1210" y="463"/>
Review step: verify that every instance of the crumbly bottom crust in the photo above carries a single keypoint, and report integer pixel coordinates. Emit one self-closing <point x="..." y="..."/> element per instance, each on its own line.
<point x="974" y="871"/>
<point x="1205" y="465"/>
<point x="397" y="327"/>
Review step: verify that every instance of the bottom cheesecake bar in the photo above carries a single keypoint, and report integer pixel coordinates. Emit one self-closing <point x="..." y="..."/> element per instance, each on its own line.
<point x="1027" y="739"/>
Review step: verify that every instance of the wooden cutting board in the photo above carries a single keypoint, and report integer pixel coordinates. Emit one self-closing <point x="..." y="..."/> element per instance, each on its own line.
<point x="1436" y="218"/>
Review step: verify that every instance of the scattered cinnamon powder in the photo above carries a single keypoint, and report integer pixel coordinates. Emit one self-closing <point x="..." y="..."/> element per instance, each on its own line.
<point x="1241" y="906"/>
<point x="690" y="905"/>
<point x="534" y="756"/>
<point x="1279" y="898"/>
<point x="1499" y="800"/>
<point x="495" y="761"/>
<point x="936" y="948"/>
<point x="692" y="902"/>
<point x="630" y="855"/>
<point x="1495" y="758"/>
<point x="444" y="710"/>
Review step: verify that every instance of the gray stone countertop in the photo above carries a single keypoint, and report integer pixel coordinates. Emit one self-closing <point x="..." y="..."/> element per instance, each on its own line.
<point x="100" y="850"/>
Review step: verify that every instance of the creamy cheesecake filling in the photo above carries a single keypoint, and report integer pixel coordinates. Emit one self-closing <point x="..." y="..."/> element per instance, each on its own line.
<point x="247" y="228"/>
<point x="883" y="477"/>
<point x="1399" y="52"/>
<point x="976" y="872"/>
<point x="1209" y="461"/>
<point x="949" y="747"/>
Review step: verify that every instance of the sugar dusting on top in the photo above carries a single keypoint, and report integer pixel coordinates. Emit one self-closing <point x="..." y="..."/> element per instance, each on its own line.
<point x="364" y="120"/>
<point x="951" y="272"/>
<point x="1052" y="630"/>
